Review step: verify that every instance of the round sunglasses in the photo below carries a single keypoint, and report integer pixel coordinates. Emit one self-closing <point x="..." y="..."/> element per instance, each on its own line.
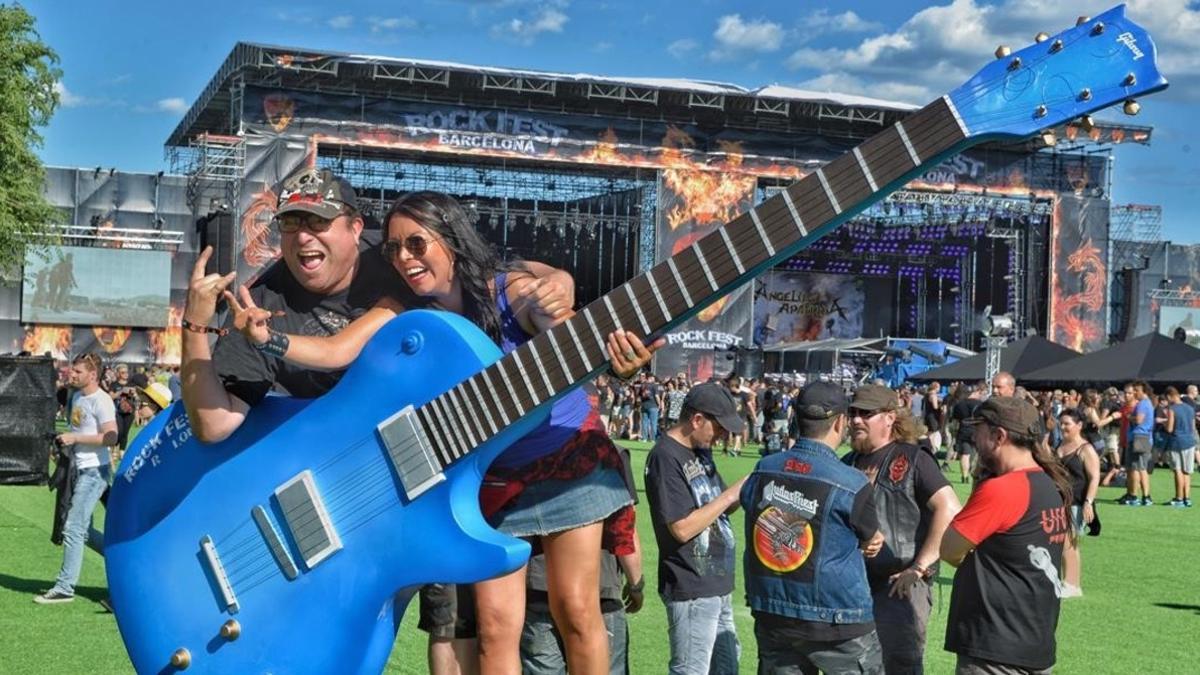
<point x="415" y="244"/>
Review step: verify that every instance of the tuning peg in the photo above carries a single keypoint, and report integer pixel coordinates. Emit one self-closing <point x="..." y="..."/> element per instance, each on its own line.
<point x="1056" y="46"/>
<point x="1082" y="20"/>
<point x="1041" y="37"/>
<point x="1085" y="94"/>
<point x="1098" y="28"/>
<point x="1015" y="63"/>
<point x="1040" y="111"/>
<point x="1087" y="123"/>
<point x="1002" y="51"/>
<point x="1129" y="80"/>
<point x="1132" y="107"/>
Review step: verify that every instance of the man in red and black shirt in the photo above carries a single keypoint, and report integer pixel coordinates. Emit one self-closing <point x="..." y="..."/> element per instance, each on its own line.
<point x="1007" y="542"/>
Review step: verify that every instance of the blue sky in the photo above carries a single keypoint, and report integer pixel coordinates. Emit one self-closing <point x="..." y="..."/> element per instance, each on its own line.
<point x="132" y="68"/>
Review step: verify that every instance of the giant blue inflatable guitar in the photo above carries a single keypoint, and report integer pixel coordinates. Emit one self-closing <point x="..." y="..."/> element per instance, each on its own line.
<point x="294" y="545"/>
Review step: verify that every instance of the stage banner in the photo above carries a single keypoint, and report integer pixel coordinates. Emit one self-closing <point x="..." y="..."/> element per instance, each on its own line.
<point x="1079" y="273"/>
<point x="40" y="339"/>
<point x="692" y="204"/>
<point x="270" y="158"/>
<point x="801" y="306"/>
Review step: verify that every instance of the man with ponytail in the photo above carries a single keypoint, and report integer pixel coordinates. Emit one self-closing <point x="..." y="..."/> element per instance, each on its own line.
<point x="1007" y="543"/>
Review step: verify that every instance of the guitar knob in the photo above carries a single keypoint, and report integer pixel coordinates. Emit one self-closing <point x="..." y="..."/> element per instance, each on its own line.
<point x="1015" y="63"/>
<point x="231" y="630"/>
<point x="1129" y="80"/>
<point x="1002" y="51"/>
<point x="1056" y="46"/>
<point x="1085" y="95"/>
<point x="181" y="659"/>
<point x="1132" y="107"/>
<point x="1041" y="37"/>
<point x="1098" y="29"/>
<point x="1040" y="111"/>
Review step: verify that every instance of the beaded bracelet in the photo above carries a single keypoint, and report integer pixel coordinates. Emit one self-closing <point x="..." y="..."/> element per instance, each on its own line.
<point x="196" y="328"/>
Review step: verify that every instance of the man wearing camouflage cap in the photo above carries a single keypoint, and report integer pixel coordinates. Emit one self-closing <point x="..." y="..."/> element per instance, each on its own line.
<point x="1007" y="543"/>
<point x="914" y="503"/>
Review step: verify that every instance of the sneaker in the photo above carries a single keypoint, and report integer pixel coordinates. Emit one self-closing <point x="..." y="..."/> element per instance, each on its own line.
<point x="1147" y="501"/>
<point x="1187" y="504"/>
<point x="1071" y="591"/>
<point x="1126" y="499"/>
<point x="1175" y="501"/>
<point x="52" y="597"/>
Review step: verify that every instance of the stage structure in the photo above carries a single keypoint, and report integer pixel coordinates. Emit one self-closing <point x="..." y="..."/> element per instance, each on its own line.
<point x="604" y="176"/>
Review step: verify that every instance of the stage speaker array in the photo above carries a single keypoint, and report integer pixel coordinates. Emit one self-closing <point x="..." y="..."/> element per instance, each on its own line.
<point x="216" y="230"/>
<point x="27" y="397"/>
<point x="1127" y="327"/>
<point x="748" y="363"/>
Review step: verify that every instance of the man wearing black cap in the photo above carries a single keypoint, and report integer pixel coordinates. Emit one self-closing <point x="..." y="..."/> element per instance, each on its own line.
<point x="914" y="503"/>
<point x="808" y="515"/>
<point x="689" y="507"/>
<point x="1007" y="543"/>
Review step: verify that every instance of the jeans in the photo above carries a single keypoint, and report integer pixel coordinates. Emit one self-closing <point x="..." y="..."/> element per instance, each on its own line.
<point x="649" y="424"/>
<point x="542" y="650"/>
<point x="782" y="654"/>
<point x="89" y="485"/>
<point x="702" y="636"/>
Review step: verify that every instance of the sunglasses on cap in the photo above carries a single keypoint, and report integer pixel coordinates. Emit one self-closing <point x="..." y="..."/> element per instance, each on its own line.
<point x="293" y="222"/>
<point x="415" y="244"/>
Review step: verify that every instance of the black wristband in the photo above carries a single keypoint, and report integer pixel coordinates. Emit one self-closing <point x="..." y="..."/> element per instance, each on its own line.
<point x="276" y="344"/>
<point x="638" y="587"/>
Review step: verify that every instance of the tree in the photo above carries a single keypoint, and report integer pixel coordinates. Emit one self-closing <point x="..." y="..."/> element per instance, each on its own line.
<point x="28" y="97"/>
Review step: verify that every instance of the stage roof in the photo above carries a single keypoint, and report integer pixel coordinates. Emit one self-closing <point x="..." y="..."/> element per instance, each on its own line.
<point x="1019" y="358"/>
<point x="1143" y="357"/>
<point x="217" y="109"/>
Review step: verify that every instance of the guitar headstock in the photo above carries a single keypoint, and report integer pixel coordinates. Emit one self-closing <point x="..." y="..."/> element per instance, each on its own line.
<point x="1101" y="61"/>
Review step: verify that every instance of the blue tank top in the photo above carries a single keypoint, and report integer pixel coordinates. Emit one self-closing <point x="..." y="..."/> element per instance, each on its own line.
<point x="567" y="414"/>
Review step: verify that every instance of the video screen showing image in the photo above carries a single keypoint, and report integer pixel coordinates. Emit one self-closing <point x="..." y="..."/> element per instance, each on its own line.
<point x="96" y="286"/>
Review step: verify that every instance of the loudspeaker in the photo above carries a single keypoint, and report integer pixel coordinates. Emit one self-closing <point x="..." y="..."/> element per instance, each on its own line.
<point x="748" y="363"/>
<point x="27" y="397"/>
<point x="216" y="230"/>
<point x="1127" y="328"/>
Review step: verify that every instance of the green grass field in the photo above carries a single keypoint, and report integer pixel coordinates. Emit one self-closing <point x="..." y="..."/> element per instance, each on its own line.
<point x="1140" y="612"/>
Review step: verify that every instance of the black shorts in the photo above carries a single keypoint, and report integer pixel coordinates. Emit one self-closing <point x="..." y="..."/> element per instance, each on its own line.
<point x="963" y="447"/>
<point x="448" y="611"/>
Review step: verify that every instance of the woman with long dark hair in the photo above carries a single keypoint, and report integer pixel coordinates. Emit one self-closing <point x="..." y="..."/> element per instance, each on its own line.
<point x="570" y="470"/>
<point x="1079" y="458"/>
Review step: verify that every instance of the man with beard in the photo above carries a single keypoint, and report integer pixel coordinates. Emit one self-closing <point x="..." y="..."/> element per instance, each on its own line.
<point x="1007" y="543"/>
<point x="807" y="517"/>
<point x="914" y="503"/>
<point x="689" y="509"/>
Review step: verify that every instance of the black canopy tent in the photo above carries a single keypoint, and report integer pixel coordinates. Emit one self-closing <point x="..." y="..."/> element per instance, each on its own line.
<point x="1020" y="357"/>
<point x="1141" y="358"/>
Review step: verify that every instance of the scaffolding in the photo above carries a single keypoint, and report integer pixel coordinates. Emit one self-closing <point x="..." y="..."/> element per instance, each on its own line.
<point x="1134" y="229"/>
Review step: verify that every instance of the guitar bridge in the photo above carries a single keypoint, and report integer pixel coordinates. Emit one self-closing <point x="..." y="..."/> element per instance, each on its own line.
<point x="209" y="549"/>
<point x="410" y="452"/>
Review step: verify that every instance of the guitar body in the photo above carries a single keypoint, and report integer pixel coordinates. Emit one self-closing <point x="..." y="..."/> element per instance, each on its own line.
<point x="341" y="614"/>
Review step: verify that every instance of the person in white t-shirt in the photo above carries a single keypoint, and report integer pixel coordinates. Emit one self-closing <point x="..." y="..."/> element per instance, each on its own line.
<point x="93" y="428"/>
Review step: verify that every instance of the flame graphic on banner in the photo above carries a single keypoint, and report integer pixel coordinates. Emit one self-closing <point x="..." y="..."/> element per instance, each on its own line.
<point x="167" y="345"/>
<point x="111" y="338"/>
<point x="40" y="339"/>
<point x="256" y="227"/>
<point x="1076" y="329"/>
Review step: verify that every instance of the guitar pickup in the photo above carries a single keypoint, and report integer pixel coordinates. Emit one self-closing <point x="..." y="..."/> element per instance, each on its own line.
<point x="307" y="519"/>
<point x="410" y="452"/>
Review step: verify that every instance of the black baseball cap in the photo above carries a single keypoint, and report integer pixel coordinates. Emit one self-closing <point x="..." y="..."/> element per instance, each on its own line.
<point x="821" y="401"/>
<point x="316" y="191"/>
<point x="716" y="401"/>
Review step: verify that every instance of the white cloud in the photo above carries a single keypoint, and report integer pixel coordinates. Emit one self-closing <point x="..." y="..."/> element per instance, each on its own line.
<point x="681" y="48"/>
<point x="340" y="22"/>
<point x="67" y="99"/>
<point x="389" y="24"/>
<point x="846" y="22"/>
<point x="939" y="47"/>
<point x="734" y="34"/>
<point x="545" y="20"/>
<point x="171" y="105"/>
<point x="602" y="46"/>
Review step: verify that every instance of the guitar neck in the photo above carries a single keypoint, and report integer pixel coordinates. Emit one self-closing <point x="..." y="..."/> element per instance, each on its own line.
<point x="676" y="289"/>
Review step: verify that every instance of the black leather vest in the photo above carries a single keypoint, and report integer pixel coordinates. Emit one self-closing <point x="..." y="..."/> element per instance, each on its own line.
<point x="902" y="520"/>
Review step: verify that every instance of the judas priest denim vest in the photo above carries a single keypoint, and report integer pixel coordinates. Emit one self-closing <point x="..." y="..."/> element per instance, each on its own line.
<point x="802" y="559"/>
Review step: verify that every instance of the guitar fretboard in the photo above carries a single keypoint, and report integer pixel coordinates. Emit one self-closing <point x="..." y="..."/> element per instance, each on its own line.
<point x="672" y="291"/>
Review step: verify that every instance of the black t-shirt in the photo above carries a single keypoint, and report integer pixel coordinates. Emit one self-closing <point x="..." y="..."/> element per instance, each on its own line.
<point x="927" y="480"/>
<point x="680" y="480"/>
<point x="962" y="411"/>
<point x="250" y="375"/>
<point x="933" y="416"/>
<point x="650" y="392"/>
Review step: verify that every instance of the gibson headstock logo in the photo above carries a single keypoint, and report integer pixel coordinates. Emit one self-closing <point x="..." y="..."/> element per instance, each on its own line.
<point x="1129" y="41"/>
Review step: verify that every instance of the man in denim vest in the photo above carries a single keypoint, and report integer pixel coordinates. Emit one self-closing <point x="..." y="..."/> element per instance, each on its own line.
<point x="914" y="504"/>
<point x="807" y="517"/>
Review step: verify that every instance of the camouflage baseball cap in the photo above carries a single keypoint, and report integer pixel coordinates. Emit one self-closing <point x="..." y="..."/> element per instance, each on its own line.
<point x="1014" y="415"/>
<point x="875" y="397"/>
<point x="316" y="191"/>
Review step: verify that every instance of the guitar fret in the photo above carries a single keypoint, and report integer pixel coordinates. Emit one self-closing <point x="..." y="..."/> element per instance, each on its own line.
<point x="637" y="309"/>
<point x="487" y="380"/>
<point x="737" y="261"/>
<point x="962" y="126"/>
<point x="679" y="282"/>
<point x="516" y="358"/>
<point x="510" y="388"/>
<point x="559" y="355"/>
<point x="787" y="199"/>
<point x="912" y="152"/>
<point x="459" y="401"/>
<point x="662" y="305"/>
<point x="447" y="434"/>
<point x="579" y="345"/>
<point x="587" y="314"/>
<point x="433" y="430"/>
<point x="537" y="361"/>
<point x="455" y="428"/>
<point x="613" y="313"/>
<point x="487" y="413"/>
<point x="837" y="209"/>
<point x="704" y="266"/>
<point x="862" y="164"/>
<point x="762" y="232"/>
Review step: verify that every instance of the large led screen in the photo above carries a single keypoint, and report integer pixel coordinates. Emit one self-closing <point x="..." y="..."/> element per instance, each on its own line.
<point x="96" y="287"/>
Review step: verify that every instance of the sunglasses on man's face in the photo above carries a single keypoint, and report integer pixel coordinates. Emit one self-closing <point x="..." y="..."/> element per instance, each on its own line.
<point x="292" y="222"/>
<point x="864" y="414"/>
<point x="415" y="244"/>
